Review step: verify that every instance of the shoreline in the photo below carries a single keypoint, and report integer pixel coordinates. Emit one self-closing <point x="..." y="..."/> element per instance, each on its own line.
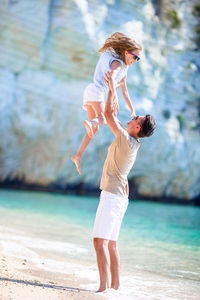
<point x="82" y="189"/>
<point x="21" y="279"/>
<point x="44" y="255"/>
<point x="34" y="266"/>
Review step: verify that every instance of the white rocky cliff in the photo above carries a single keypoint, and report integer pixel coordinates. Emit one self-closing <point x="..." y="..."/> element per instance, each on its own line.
<point x="47" y="57"/>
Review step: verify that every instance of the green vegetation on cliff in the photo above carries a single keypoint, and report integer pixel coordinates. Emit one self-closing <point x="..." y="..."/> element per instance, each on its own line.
<point x="174" y="19"/>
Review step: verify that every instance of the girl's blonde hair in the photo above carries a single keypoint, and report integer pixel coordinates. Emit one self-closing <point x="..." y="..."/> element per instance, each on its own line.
<point x="118" y="43"/>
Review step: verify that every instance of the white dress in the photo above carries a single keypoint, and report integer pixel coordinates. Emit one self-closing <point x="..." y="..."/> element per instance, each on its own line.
<point x="95" y="91"/>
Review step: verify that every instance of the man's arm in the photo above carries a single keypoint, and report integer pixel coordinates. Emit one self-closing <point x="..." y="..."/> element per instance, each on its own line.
<point x="110" y="109"/>
<point x="115" y="68"/>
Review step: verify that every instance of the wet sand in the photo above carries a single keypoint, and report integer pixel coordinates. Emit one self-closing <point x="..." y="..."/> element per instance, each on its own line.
<point x="20" y="279"/>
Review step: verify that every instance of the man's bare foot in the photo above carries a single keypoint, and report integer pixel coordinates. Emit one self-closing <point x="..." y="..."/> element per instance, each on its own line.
<point x="115" y="287"/>
<point x="100" y="290"/>
<point x="77" y="160"/>
<point x="88" y="127"/>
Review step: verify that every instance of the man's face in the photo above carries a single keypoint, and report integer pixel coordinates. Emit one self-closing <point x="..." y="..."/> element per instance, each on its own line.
<point x="134" y="125"/>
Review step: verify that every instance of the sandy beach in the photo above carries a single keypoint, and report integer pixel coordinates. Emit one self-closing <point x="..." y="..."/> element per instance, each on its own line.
<point x="20" y="279"/>
<point x="46" y="250"/>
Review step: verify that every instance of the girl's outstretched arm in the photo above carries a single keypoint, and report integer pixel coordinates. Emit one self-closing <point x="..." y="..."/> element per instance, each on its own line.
<point x="126" y="95"/>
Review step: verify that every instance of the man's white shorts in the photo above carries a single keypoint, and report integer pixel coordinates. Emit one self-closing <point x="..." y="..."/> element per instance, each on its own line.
<point x="109" y="216"/>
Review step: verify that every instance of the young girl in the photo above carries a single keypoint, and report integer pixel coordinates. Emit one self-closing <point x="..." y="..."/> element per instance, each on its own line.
<point x="118" y="52"/>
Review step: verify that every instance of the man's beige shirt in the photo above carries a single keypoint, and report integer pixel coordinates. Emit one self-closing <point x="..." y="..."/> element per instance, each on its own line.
<point x="120" y="159"/>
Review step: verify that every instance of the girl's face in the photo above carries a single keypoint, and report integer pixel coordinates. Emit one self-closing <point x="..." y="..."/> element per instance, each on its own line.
<point x="132" y="56"/>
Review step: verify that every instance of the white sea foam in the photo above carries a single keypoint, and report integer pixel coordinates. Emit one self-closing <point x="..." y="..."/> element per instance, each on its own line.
<point x="163" y="272"/>
<point x="10" y="230"/>
<point x="27" y="248"/>
<point x="31" y="242"/>
<point x="15" y="249"/>
<point x="149" y="286"/>
<point x="59" y="266"/>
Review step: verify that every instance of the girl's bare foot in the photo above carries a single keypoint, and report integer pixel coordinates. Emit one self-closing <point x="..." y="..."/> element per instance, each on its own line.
<point x="77" y="160"/>
<point x="88" y="127"/>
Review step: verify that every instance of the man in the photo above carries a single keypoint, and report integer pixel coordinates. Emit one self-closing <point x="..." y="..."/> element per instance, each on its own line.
<point x="114" y="185"/>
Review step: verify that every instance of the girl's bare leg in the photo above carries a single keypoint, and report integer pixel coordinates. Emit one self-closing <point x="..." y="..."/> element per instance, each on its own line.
<point x="86" y="140"/>
<point x="99" y="108"/>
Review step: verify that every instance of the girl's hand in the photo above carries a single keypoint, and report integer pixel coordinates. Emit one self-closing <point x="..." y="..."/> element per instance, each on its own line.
<point x="133" y="114"/>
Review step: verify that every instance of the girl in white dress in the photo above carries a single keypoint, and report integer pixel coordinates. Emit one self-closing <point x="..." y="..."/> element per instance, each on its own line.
<point x="118" y="52"/>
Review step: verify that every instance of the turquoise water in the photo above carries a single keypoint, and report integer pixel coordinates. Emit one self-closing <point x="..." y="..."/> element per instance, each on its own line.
<point x="159" y="243"/>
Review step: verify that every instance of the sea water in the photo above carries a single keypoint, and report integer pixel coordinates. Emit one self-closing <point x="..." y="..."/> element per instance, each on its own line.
<point x="159" y="243"/>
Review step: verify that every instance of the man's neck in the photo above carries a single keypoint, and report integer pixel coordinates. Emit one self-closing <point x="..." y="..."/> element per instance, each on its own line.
<point x="135" y="136"/>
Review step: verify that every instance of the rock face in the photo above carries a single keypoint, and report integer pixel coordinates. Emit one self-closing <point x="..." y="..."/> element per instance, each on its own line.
<point x="47" y="57"/>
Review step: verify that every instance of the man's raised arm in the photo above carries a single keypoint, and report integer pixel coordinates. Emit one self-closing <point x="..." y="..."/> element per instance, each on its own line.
<point x="110" y="109"/>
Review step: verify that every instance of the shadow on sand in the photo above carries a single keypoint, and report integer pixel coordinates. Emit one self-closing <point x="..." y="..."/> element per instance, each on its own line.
<point x="51" y="286"/>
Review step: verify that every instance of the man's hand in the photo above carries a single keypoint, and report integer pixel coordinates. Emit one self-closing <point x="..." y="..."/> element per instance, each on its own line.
<point x="117" y="85"/>
<point x="111" y="105"/>
<point x="108" y="79"/>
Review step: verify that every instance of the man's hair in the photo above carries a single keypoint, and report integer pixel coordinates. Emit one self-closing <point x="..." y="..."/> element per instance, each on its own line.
<point x="147" y="127"/>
